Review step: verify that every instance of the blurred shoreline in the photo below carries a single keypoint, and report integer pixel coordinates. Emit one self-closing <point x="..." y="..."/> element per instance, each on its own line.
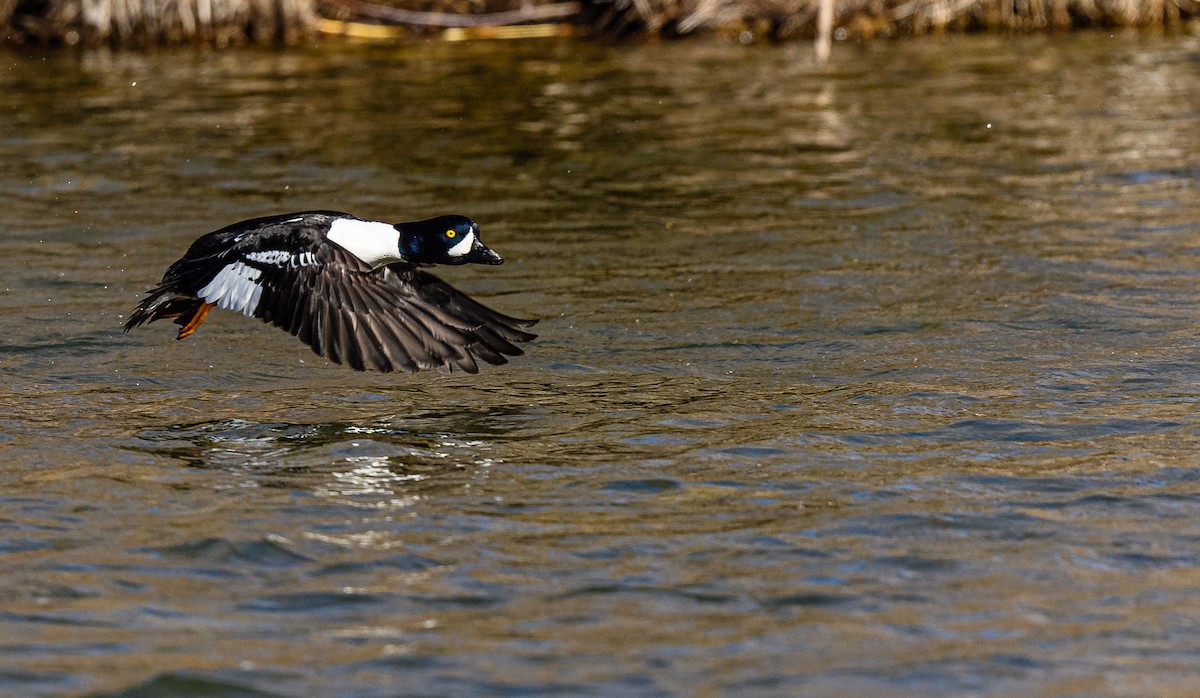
<point x="222" y="23"/>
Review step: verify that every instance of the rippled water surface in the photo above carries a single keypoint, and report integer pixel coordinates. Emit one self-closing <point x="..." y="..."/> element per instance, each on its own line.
<point x="875" y="381"/>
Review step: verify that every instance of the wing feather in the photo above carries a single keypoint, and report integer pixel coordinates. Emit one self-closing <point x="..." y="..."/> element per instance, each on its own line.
<point x="393" y="318"/>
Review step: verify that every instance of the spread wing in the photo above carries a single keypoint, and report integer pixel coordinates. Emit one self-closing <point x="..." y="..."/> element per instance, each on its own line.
<point x="491" y="335"/>
<point x="395" y="317"/>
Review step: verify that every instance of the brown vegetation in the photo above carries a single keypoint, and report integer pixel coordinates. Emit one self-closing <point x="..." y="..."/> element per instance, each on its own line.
<point x="786" y="19"/>
<point x="240" y="21"/>
<point x="145" y="22"/>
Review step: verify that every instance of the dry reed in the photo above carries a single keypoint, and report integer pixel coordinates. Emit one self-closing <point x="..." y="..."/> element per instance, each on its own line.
<point x="789" y="19"/>
<point x="145" y="22"/>
<point x="223" y="22"/>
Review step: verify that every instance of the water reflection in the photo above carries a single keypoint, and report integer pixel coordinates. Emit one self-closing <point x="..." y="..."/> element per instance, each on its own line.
<point x="832" y="363"/>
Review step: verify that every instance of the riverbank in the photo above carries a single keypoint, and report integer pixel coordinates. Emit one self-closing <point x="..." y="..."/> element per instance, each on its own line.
<point x="226" y="22"/>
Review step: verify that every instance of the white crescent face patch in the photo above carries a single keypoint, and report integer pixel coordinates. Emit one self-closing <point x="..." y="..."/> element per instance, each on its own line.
<point x="463" y="246"/>
<point x="235" y="287"/>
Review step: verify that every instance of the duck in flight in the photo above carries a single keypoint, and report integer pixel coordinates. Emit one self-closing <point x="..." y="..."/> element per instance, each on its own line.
<point x="352" y="289"/>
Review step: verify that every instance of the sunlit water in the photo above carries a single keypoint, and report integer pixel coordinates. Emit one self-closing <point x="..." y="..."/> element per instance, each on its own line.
<point x="881" y="380"/>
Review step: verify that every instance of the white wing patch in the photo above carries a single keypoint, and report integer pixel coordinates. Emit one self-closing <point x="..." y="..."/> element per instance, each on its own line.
<point x="235" y="287"/>
<point x="462" y="247"/>
<point x="282" y="258"/>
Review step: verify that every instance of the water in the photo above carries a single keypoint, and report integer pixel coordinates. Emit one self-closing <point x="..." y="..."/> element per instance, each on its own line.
<point x="874" y="381"/>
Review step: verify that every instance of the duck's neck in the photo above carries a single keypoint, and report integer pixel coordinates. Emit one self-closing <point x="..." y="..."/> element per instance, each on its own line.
<point x="374" y="243"/>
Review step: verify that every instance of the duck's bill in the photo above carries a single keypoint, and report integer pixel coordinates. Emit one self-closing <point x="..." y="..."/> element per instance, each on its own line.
<point x="482" y="254"/>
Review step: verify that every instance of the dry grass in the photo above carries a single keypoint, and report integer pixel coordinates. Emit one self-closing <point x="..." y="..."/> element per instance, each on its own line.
<point x="145" y="22"/>
<point x="221" y="22"/>
<point x="788" y="19"/>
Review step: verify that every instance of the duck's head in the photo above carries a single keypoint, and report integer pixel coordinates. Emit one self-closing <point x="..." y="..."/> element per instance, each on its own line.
<point x="445" y="240"/>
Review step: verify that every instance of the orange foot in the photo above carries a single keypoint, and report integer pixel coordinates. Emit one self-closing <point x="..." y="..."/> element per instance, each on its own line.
<point x="197" y="319"/>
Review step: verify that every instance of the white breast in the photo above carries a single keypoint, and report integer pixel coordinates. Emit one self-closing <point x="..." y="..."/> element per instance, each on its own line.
<point x="374" y="243"/>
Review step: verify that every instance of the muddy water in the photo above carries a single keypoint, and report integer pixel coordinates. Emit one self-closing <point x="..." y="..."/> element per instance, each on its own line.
<point x="873" y="381"/>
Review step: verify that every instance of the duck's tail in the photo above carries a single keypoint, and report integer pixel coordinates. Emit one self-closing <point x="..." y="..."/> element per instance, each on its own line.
<point x="162" y="303"/>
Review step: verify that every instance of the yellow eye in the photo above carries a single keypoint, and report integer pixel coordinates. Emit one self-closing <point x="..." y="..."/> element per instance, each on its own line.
<point x="451" y="233"/>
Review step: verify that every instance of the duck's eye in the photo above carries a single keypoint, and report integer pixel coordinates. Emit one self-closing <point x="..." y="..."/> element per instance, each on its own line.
<point x="451" y="233"/>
